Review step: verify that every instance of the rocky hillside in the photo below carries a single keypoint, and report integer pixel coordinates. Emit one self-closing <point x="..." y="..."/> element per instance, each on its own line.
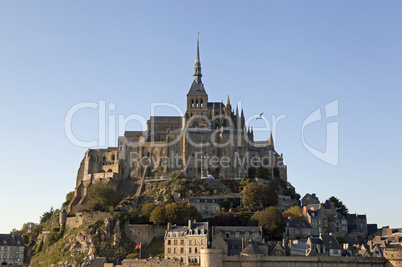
<point x="102" y="238"/>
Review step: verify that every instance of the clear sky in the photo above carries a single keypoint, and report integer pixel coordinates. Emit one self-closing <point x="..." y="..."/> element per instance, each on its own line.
<point x="278" y="57"/>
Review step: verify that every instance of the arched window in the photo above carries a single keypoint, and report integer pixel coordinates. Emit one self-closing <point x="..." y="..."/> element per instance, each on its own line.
<point x="104" y="158"/>
<point x="113" y="157"/>
<point x="189" y="250"/>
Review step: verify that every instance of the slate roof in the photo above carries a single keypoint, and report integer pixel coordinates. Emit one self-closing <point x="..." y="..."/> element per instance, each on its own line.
<point x="182" y="230"/>
<point x="165" y="119"/>
<point x="233" y="229"/>
<point x="215" y="104"/>
<point x="11" y="240"/>
<point x="251" y="249"/>
<point x="297" y="223"/>
<point x="98" y="262"/>
<point x="234" y="246"/>
<point x="197" y="89"/>
<point x="328" y="240"/>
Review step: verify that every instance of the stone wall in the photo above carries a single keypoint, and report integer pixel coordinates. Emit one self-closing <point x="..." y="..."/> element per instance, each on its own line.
<point x="144" y="233"/>
<point x="215" y="257"/>
<point x="85" y="218"/>
<point x="151" y="263"/>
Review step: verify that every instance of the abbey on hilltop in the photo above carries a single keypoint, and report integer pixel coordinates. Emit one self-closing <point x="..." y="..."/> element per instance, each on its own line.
<point x="210" y="141"/>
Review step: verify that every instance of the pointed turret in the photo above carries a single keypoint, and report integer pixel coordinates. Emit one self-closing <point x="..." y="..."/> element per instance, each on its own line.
<point x="197" y="68"/>
<point x="197" y="88"/>
<point x="237" y="122"/>
<point x="271" y="141"/>
<point x="243" y="123"/>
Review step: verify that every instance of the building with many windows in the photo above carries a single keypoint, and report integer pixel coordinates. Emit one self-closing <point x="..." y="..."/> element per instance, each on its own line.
<point x="184" y="242"/>
<point x="11" y="249"/>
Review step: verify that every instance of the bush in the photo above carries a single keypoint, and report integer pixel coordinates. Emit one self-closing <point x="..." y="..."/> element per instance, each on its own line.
<point x="101" y="197"/>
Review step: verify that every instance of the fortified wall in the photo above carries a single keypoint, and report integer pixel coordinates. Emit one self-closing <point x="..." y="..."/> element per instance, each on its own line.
<point x="144" y="233"/>
<point x="215" y="257"/>
<point x="85" y="218"/>
<point x="152" y="263"/>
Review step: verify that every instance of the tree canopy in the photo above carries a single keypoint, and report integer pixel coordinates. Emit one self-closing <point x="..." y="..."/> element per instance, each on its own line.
<point x="339" y="206"/>
<point x="294" y="212"/>
<point x="101" y="197"/>
<point x="271" y="221"/>
<point x="259" y="196"/>
<point x="225" y="218"/>
<point x="176" y="213"/>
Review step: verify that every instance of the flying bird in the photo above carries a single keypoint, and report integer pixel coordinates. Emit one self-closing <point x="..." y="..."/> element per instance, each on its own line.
<point x="260" y="118"/>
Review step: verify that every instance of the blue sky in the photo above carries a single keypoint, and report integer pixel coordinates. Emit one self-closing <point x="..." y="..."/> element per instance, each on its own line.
<point x="281" y="58"/>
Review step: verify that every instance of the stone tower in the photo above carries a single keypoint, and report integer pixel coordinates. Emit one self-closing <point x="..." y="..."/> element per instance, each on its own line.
<point x="197" y="97"/>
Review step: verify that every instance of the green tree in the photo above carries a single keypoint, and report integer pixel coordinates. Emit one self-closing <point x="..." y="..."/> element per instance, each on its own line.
<point x="258" y="197"/>
<point x="176" y="213"/>
<point x="147" y="210"/>
<point x="46" y="215"/>
<point x="158" y="215"/>
<point x="339" y="206"/>
<point x="271" y="221"/>
<point x="101" y="197"/>
<point x="294" y="212"/>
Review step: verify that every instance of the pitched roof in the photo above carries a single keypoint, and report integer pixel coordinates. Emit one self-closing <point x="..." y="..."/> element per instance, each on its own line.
<point x="197" y="88"/>
<point x="11" y="240"/>
<point x="251" y="249"/>
<point x="297" y="223"/>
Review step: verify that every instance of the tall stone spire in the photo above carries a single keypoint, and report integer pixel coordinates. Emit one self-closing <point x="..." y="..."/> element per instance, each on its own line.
<point x="197" y="68"/>
<point x="271" y="141"/>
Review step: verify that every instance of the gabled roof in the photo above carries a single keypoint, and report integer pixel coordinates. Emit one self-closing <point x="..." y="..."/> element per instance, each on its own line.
<point x="278" y="247"/>
<point x="329" y="241"/>
<point x="251" y="249"/>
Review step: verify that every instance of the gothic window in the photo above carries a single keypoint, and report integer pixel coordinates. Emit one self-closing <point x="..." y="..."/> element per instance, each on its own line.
<point x="192" y="105"/>
<point x="201" y="105"/>
<point x="113" y="157"/>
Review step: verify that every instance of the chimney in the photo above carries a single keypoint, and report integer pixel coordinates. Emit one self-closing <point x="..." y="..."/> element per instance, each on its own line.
<point x="389" y="231"/>
<point x="169" y="226"/>
<point x="314" y="195"/>
<point x="190" y="224"/>
<point x="304" y="209"/>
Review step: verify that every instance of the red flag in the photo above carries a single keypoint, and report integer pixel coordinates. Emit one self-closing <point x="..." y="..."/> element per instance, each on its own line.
<point x="137" y="246"/>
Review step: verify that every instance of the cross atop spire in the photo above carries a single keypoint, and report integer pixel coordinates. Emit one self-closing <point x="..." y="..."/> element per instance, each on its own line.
<point x="197" y="69"/>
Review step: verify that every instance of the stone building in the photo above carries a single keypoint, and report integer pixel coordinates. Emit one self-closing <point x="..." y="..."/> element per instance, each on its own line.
<point x="210" y="138"/>
<point x="207" y="207"/>
<point x="297" y="229"/>
<point x="324" y="245"/>
<point x="185" y="242"/>
<point x="233" y="239"/>
<point x="310" y="199"/>
<point x="324" y="219"/>
<point x="11" y="249"/>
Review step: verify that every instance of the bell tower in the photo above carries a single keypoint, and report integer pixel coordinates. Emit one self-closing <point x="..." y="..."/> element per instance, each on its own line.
<point x="197" y="98"/>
